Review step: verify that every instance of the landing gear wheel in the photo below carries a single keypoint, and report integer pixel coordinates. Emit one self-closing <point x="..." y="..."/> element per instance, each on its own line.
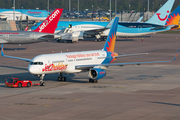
<point x="92" y="81"/>
<point x="42" y="84"/>
<point x="99" y="40"/>
<point x="58" y="79"/>
<point x="61" y="79"/>
<point x="95" y="81"/>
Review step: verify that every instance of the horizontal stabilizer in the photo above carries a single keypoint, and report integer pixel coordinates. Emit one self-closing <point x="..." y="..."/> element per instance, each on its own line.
<point x="159" y="28"/>
<point x="126" y="55"/>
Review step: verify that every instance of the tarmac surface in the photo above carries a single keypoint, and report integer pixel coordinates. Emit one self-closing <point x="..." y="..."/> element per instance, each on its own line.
<point x="145" y="92"/>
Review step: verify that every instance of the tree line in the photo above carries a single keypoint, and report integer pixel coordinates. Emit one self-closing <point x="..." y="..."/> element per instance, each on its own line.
<point x="103" y="5"/>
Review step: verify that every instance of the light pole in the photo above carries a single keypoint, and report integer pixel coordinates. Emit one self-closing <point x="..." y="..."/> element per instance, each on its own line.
<point x="148" y="11"/>
<point x="14" y="10"/>
<point x="92" y="13"/>
<point x="148" y="5"/>
<point x="129" y="8"/>
<point x="48" y="8"/>
<point x="115" y="6"/>
<point x="78" y="10"/>
<point x="110" y="10"/>
<point x="69" y="5"/>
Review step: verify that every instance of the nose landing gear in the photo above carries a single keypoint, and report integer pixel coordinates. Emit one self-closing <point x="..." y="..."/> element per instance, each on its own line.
<point x="42" y="83"/>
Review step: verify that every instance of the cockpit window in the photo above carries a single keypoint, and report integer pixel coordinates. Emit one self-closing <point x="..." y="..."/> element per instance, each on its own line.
<point x="36" y="63"/>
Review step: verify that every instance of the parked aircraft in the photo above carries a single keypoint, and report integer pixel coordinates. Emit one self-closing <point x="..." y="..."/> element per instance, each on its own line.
<point x="44" y="32"/>
<point x="21" y="14"/>
<point x="95" y="61"/>
<point x="174" y="18"/>
<point x="90" y="28"/>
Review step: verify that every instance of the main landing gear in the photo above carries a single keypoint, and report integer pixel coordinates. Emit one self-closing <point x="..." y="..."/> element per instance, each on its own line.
<point x="61" y="78"/>
<point x="42" y="83"/>
<point x="92" y="81"/>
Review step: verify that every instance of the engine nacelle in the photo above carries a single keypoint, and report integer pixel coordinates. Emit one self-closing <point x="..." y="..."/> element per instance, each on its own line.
<point x="96" y="73"/>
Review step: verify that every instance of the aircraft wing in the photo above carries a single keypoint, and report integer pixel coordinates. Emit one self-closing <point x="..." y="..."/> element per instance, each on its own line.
<point x="3" y="41"/>
<point x="46" y="37"/>
<point x="82" y="67"/>
<point x="159" y="28"/>
<point x="96" y="31"/>
<point x="2" y="54"/>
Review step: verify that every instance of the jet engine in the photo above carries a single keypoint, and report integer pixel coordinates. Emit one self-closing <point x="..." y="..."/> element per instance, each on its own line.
<point x="96" y="73"/>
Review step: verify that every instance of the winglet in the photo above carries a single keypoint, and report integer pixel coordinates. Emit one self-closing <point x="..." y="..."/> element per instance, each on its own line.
<point x="50" y="23"/>
<point x="2" y="50"/>
<point x="176" y="55"/>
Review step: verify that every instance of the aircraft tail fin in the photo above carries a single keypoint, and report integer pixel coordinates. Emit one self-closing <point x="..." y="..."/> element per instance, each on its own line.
<point x="110" y="24"/>
<point x="50" y="23"/>
<point x="26" y="28"/>
<point x="139" y="20"/>
<point x="162" y="14"/>
<point x="2" y="50"/>
<point x="174" y="18"/>
<point x="110" y="42"/>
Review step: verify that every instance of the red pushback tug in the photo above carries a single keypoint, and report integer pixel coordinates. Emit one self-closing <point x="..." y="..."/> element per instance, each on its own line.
<point x="15" y="82"/>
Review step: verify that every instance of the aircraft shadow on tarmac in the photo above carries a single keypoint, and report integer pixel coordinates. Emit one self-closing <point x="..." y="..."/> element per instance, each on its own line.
<point x="17" y="68"/>
<point x="167" y="103"/>
<point x="14" y="48"/>
<point x="126" y="40"/>
<point x="48" y="77"/>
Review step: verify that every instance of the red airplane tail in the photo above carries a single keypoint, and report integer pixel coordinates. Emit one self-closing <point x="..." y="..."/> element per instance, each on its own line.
<point x="26" y="28"/>
<point x="50" y="23"/>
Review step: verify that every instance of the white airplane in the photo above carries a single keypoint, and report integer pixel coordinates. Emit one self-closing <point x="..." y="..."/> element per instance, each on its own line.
<point x="43" y="33"/>
<point x="95" y="61"/>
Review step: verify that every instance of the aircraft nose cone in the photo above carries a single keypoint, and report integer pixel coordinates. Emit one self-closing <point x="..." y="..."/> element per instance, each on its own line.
<point x="33" y="69"/>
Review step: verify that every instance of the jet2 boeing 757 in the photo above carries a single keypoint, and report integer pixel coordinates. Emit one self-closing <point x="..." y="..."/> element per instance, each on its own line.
<point x="95" y="62"/>
<point x="44" y="32"/>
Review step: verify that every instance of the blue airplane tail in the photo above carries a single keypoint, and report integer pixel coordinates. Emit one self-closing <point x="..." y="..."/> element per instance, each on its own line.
<point x="174" y="17"/>
<point x="162" y="14"/>
<point x="110" y="42"/>
<point x="2" y="50"/>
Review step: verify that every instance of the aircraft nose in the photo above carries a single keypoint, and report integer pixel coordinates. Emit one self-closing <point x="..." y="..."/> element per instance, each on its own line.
<point x="33" y="69"/>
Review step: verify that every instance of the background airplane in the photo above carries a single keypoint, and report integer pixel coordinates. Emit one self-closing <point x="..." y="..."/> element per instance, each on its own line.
<point x="20" y="14"/>
<point x="174" y="18"/>
<point x="44" y="32"/>
<point x="95" y="62"/>
<point x="85" y="28"/>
